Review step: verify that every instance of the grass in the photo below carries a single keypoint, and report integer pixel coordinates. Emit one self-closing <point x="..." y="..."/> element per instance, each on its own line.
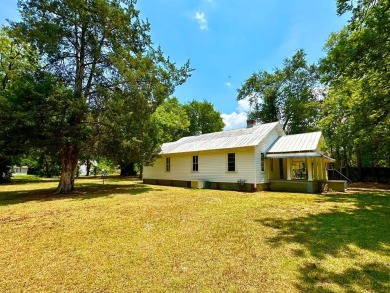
<point x="128" y="237"/>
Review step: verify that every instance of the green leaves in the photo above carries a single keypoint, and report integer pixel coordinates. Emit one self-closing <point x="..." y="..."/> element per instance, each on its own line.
<point x="356" y="70"/>
<point x="203" y="117"/>
<point x="103" y="77"/>
<point x="171" y="120"/>
<point x="288" y="95"/>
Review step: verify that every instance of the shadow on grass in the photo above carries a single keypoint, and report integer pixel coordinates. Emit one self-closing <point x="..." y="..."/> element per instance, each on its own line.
<point x="340" y="234"/>
<point x="28" y="181"/>
<point x="83" y="192"/>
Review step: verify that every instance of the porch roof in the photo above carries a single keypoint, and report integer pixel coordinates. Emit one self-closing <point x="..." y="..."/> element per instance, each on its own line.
<point x="303" y="142"/>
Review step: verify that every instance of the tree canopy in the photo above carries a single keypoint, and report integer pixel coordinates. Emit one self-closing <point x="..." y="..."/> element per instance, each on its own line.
<point x="203" y="117"/>
<point x="16" y="57"/>
<point x="82" y="79"/>
<point x="171" y="120"/>
<point x="289" y="94"/>
<point x="356" y="71"/>
<point x="99" y="55"/>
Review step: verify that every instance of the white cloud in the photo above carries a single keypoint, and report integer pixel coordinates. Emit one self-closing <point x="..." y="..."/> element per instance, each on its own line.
<point x="234" y="120"/>
<point x="237" y="119"/>
<point x="244" y="106"/>
<point x="228" y="84"/>
<point x="202" y="20"/>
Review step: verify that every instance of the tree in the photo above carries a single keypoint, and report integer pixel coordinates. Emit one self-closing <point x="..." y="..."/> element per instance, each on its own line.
<point x="359" y="53"/>
<point x="127" y="135"/>
<point x="38" y="107"/>
<point x="289" y="95"/>
<point x="40" y="163"/>
<point x="97" y="49"/>
<point x="171" y="120"/>
<point x="203" y="117"/>
<point x="15" y="58"/>
<point x="356" y="71"/>
<point x="168" y="123"/>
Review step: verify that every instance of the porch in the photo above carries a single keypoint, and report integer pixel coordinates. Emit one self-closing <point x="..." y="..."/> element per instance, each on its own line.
<point x="295" y="185"/>
<point x="300" y="172"/>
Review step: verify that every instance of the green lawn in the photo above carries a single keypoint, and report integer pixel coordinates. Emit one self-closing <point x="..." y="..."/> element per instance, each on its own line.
<point x="128" y="237"/>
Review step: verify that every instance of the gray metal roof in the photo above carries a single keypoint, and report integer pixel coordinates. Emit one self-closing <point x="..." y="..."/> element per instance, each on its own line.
<point x="303" y="142"/>
<point x="237" y="138"/>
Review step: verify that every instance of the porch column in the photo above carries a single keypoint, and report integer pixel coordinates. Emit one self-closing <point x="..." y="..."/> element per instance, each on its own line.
<point x="288" y="169"/>
<point x="323" y="170"/>
<point x="309" y="169"/>
<point x="321" y="173"/>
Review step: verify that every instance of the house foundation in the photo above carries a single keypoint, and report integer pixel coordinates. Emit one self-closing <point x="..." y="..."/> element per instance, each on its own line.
<point x="301" y="186"/>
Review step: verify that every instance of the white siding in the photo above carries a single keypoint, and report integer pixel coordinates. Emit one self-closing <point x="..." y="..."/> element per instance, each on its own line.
<point x="262" y="176"/>
<point x="212" y="166"/>
<point x="259" y="175"/>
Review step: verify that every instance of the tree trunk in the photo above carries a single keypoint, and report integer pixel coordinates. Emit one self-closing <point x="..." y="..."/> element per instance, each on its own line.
<point x="68" y="171"/>
<point x="88" y="167"/>
<point x="359" y="164"/>
<point x="141" y="171"/>
<point x="346" y="163"/>
<point x="47" y="169"/>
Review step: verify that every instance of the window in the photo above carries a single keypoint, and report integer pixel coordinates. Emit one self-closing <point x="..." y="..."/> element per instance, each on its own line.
<point x="262" y="161"/>
<point x="195" y="163"/>
<point x="231" y="162"/>
<point x="168" y="164"/>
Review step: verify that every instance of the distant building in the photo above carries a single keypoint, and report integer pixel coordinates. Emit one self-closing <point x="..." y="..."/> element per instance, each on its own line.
<point x="19" y="170"/>
<point x="83" y="168"/>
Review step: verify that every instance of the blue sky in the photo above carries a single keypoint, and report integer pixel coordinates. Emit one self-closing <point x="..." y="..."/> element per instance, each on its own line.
<point x="227" y="41"/>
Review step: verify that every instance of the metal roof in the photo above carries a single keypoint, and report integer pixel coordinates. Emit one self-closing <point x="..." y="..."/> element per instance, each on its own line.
<point x="304" y="142"/>
<point x="237" y="138"/>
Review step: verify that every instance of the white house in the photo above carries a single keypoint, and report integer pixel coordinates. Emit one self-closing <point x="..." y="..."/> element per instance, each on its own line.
<point x="83" y="167"/>
<point x="19" y="170"/>
<point x="259" y="157"/>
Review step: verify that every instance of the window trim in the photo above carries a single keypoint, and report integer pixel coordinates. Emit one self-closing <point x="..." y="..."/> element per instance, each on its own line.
<point x="235" y="165"/>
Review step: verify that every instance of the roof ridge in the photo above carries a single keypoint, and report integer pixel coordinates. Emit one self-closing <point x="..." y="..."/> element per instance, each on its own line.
<point x="229" y="130"/>
<point x="319" y="131"/>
